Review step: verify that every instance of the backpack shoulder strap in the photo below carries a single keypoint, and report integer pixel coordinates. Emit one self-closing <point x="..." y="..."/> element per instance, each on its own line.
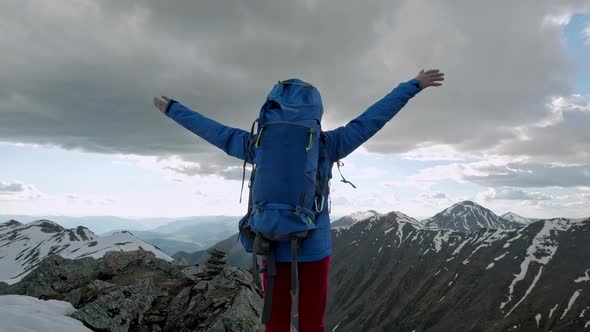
<point x="246" y="157"/>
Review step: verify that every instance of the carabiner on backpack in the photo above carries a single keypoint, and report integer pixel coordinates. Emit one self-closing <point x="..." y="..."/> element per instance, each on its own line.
<point x="321" y="205"/>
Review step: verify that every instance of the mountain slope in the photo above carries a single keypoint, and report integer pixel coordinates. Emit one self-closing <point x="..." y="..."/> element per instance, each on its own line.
<point x="388" y="275"/>
<point x="23" y="246"/>
<point x="468" y="216"/>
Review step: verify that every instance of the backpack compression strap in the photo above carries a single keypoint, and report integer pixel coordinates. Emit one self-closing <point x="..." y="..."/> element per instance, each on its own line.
<point x="271" y="272"/>
<point x="294" y="278"/>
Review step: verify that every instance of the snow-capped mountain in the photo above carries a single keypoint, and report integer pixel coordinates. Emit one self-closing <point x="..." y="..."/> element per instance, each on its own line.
<point x="468" y="216"/>
<point x="388" y="275"/>
<point x="517" y="218"/>
<point x="24" y="246"/>
<point x="353" y="218"/>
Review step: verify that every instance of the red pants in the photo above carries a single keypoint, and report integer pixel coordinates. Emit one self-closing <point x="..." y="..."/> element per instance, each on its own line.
<point x="313" y="291"/>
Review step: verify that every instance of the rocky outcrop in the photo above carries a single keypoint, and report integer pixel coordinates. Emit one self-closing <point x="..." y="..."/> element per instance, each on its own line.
<point x="114" y="311"/>
<point x="54" y="277"/>
<point x="135" y="291"/>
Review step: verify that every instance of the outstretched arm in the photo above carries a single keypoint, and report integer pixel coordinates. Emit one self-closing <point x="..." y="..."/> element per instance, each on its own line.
<point x="344" y="140"/>
<point x="231" y="140"/>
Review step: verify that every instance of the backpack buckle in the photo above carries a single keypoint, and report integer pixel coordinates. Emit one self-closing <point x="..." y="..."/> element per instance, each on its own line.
<point x="321" y="205"/>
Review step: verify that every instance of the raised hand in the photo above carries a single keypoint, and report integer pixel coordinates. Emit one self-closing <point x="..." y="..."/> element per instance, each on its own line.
<point x="161" y="104"/>
<point x="431" y="77"/>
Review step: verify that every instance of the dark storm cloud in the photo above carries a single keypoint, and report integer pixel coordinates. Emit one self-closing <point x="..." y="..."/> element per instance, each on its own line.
<point x="532" y="175"/>
<point x="81" y="74"/>
<point x="11" y="187"/>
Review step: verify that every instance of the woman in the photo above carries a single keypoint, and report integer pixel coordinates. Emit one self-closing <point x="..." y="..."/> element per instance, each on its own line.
<point x="315" y="251"/>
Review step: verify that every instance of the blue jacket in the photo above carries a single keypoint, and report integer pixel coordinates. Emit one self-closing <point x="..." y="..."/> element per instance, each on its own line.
<point x="340" y="143"/>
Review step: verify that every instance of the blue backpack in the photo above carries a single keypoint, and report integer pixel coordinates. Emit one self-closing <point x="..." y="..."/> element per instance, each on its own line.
<point x="285" y="190"/>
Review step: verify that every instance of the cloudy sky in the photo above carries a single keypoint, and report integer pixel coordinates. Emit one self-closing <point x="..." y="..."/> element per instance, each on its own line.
<point x="79" y="136"/>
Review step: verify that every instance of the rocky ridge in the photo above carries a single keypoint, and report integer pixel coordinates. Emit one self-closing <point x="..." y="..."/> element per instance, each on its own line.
<point x="136" y="291"/>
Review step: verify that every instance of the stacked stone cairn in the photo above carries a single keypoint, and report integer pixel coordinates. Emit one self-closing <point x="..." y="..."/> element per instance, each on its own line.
<point x="214" y="264"/>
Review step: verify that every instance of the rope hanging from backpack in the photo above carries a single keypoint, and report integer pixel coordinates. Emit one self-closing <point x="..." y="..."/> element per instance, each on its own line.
<point x="339" y="163"/>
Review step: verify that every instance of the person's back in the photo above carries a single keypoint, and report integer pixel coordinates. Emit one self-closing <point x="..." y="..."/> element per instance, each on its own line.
<point x="313" y="254"/>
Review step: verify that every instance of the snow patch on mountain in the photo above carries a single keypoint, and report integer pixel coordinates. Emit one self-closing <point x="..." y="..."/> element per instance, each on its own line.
<point x="571" y="302"/>
<point x="29" y="314"/>
<point x="362" y="215"/>
<point x="354" y="218"/>
<point x="583" y="278"/>
<point x="442" y="236"/>
<point x="542" y="249"/>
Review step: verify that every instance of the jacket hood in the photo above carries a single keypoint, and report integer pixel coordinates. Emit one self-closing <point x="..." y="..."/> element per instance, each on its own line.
<point x="296" y="95"/>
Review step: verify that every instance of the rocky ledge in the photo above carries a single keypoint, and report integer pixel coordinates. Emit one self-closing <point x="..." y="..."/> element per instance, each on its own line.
<point x="135" y="291"/>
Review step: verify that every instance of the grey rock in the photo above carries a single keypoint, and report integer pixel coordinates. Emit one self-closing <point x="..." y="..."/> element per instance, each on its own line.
<point x="239" y="317"/>
<point x="88" y="292"/>
<point x="227" y="302"/>
<point x="216" y="253"/>
<point x="194" y="270"/>
<point x="115" y="262"/>
<point x="117" y="311"/>
<point x="182" y="261"/>
<point x="3" y="285"/>
<point x="54" y="277"/>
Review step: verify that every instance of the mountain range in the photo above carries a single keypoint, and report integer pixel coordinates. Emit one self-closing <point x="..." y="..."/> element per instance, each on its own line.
<point x="188" y="234"/>
<point x="451" y="218"/>
<point x="24" y="246"/>
<point x="464" y="268"/>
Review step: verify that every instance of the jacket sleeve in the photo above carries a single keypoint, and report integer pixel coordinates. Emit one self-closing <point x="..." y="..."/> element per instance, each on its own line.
<point x="344" y="140"/>
<point x="232" y="141"/>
